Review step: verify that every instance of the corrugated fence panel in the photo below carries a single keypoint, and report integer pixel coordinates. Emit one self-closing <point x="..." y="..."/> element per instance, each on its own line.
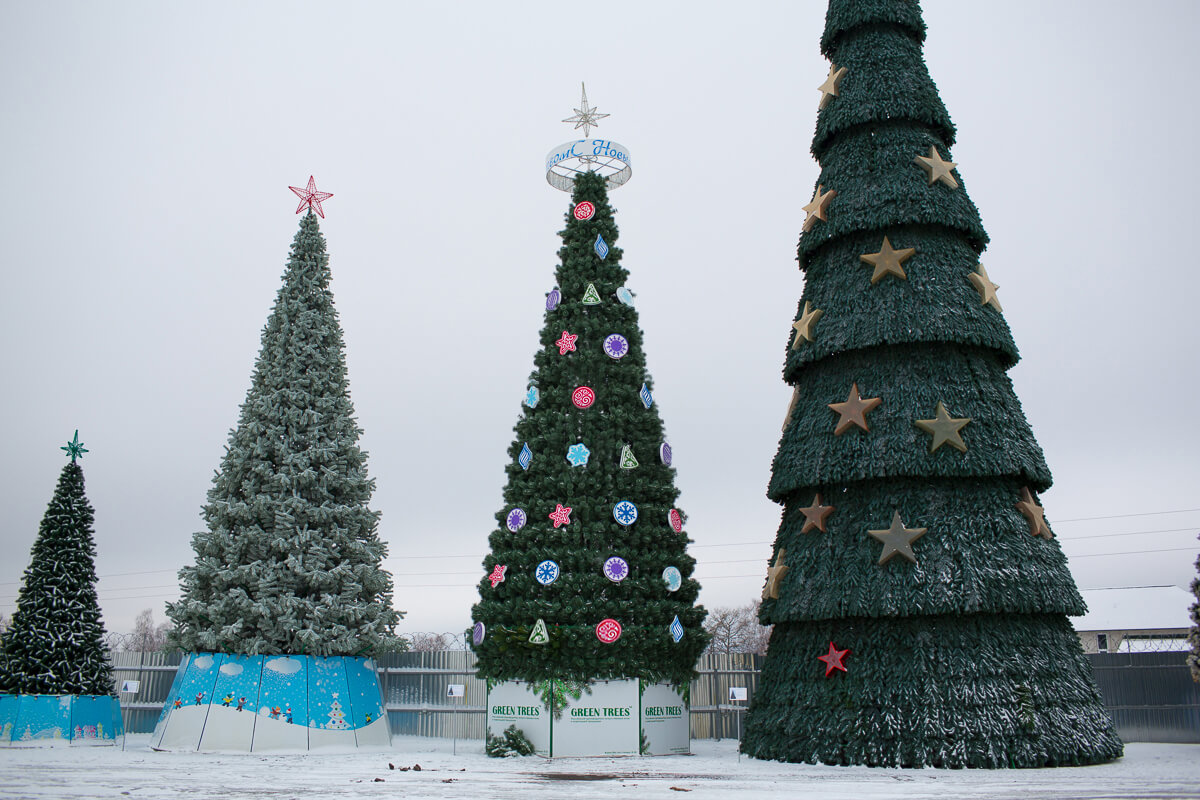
<point x="1151" y="695"/>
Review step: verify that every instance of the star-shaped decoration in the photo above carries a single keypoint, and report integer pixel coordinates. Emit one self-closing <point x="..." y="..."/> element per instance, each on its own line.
<point x="938" y="169"/>
<point x="853" y="411"/>
<point x="1035" y="514"/>
<point x="815" y="515"/>
<point x="561" y="515"/>
<point x="497" y="576"/>
<point x="74" y="448"/>
<point x="578" y="454"/>
<point x="585" y="116"/>
<point x="829" y="89"/>
<point x="818" y="207"/>
<point x="775" y="576"/>
<point x="833" y="659"/>
<point x="944" y="429"/>
<point x="566" y="343"/>
<point x="983" y="284"/>
<point x="804" y="325"/>
<point x="310" y="198"/>
<point x="887" y="261"/>
<point x="897" y="540"/>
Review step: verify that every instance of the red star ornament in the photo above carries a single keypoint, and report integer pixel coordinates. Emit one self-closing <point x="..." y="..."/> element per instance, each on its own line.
<point x="833" y="659"/>
<point x="497" y="576"/>
<point x="560" y="515"/>
<point x="310" y="197"/>
<point x="566" y="343"/>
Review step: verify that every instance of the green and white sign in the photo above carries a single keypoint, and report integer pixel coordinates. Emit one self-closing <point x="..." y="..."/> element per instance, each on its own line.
<point x="515" y="703"/>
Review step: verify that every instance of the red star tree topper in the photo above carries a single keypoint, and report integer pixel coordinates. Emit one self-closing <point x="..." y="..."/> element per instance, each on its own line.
<point x="310" y="197"/>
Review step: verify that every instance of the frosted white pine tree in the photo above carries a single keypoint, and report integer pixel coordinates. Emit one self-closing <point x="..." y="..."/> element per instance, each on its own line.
<point x="291" y="560"/>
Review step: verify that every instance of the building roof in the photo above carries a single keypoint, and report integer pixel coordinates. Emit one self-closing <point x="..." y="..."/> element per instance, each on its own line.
<point x="1135" y="608"/>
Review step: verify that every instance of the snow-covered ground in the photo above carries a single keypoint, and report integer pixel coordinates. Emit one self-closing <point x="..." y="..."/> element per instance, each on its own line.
<point x="713" y="773"/>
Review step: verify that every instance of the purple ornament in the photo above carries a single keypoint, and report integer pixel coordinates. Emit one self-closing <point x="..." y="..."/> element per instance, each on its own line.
<point x="616" y="569"/>
<point x="553" y="299"/>
<point x="616" y="346"/>
<point x="664" y="453"/>
<point x="516" y="519"/>
<point x="478" y="633"/>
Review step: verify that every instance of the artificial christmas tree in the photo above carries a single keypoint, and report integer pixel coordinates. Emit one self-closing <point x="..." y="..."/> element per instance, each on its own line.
<point x="1193" y="658"/>
<point x="55" y="644"/>
<point x="919" y="599"/>
<point x="588" y="576"/>
<point x="287" y="595"/>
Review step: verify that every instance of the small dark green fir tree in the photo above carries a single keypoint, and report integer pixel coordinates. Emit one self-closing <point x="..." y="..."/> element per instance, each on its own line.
<point x="55" y="644"/>
<point x="291" y="559"/>
<point x="589" y="534"/>
<point x="919" y="600"/>
<point x="1193" y="658"/>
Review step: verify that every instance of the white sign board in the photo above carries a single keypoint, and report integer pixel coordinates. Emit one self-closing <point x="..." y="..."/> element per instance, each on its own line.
<point x="603" y="723"/>
<point x="515" y="703"/>
<point x="666" y="721"/>
<point x="737" y="693"/>
<point x="456" y="690"/>
<point x="130" y="687"/>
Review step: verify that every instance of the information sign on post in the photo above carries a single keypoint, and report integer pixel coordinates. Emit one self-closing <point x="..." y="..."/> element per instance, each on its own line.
<point x="456" y="690"/>
<point x="737" y="694"/>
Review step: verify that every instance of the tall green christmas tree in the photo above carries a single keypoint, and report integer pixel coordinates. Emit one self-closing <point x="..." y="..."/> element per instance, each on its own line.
<point x="1193" y="658"/>
<point x="55" y="644"/>
<point x="588" y="575"/>
<point x="291" y="560"/>
<point x="919" y="599"/>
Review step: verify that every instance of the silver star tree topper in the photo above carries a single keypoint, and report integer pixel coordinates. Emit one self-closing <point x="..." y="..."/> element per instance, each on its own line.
<point x="585" y="116"/>
<point x="609" y="158"/>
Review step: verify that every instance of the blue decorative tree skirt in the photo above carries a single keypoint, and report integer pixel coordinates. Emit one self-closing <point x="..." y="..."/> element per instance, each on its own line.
<point x="236" y="703"/>
<point x="39" y="720"/>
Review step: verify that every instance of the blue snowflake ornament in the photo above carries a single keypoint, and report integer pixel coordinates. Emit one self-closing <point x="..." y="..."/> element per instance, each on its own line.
<point x="578" y="454"/>
<point x="601" y="247"/>
<point x="625" y="513"/>
<point x="647" y="398"/>
<point x="673" y="578"/>
<point x="532" y="397"/>
<point x="525" y="457"/>
<point x="676" y="629"/>
<point x="547" y="572"/>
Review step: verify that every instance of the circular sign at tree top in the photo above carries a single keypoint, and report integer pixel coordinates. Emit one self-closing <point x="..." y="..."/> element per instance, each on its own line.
<point x="584" y="211"/>
<point x="608" y="631"/>
<point x="583" y="397"/>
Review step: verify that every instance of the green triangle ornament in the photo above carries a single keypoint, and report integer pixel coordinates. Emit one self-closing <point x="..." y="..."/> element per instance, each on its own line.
<point x="591" y="297"/>
<point x="627" y="459"/>
<point x="540" y="635"/>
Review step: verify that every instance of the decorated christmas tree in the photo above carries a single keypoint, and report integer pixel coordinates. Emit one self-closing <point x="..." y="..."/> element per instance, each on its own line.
<point x="588" y="575"/>
<point x="55" y="644"/>
<point x="919" y="598"/>
<point x="337" y="717"/>
<point x="291" y="559"/>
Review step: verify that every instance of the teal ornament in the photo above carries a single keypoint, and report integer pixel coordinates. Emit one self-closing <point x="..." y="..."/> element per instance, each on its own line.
<point x="673" y="578"/>
<point x="74" y="448"/>
<point x="625" y="296"/>
<point x="578" y="455"/>
<point x="532" y="397"/>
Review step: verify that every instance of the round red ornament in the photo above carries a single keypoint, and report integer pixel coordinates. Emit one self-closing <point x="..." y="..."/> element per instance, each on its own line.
<point x="583" y="397"/>
<point x="676" y="520"/>
<point x="608" y="631"/>
<point x="585" y="211"/>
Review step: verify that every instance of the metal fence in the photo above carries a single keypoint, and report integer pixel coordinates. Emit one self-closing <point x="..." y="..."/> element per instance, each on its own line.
<point x="1151" y="695"/>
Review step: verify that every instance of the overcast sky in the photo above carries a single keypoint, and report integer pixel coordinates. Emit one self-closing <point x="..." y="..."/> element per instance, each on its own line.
<point x="148" y="148"/>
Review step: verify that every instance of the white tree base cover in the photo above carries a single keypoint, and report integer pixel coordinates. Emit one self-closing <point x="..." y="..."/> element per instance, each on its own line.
<point x="55" y="720"/>
<point x="609" y="718"/>
<point x="272" y="704"/>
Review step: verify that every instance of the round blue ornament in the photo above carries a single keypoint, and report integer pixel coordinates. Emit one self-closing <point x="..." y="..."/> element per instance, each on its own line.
<point x="664" y="453"/>
<point x="625" y="513"/>
<point x="553" y="299"/>
<point x="625" y="296"/>
<point x="547" y="572"/>
<point x="673" y="578"/>
<point x="516" y="519"/>
<point x="616" y="346"/>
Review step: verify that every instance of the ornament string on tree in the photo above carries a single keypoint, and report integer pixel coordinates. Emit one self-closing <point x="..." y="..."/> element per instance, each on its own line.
<point x="948" y="635"/>
<point x="600" y="395"/>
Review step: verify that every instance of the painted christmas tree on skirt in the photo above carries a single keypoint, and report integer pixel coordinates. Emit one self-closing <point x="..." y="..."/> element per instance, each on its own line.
<point x="918" y="597"/>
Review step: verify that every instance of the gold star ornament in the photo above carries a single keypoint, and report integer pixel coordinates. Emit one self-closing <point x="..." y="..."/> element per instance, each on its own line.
<point x="983" y="284"/>
<point x="818" y="207"/>
<point x="944" y="429"/>
<point x="1035" y="514"/>
<point x="815" y="515"/>
<point x="897" y="540"/>
<point x="937" y="169"/>
<point x="829" y="89"/>
<point x="774" y="577"/>
<point x="853" y="411"/>
<point x="804" y="325"/>
<point x="887" y="261"/>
